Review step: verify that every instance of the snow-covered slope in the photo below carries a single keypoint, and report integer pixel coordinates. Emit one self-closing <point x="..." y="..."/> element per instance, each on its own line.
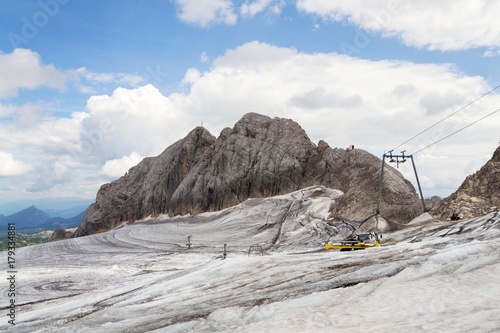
<point x="142" y="278"/>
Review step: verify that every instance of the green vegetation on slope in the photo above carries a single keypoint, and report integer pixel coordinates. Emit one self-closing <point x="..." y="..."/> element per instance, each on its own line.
<point x="25" y="239"/>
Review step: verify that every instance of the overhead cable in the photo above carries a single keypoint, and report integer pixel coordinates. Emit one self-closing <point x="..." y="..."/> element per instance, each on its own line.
<point x="470" y="103"/>
<point x="460" y="129"/>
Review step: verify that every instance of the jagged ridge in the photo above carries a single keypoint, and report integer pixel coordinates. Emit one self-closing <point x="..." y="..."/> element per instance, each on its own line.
<point x="258" y="157"/>
<point x="478" y="195"/>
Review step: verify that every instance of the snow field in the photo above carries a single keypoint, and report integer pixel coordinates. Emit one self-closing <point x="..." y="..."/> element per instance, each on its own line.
<point x="142" y="278"/>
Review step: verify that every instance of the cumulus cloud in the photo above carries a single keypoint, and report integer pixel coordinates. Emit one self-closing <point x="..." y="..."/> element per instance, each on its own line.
<point x="26" y="128"/>
<point x="206" y="12"/>
<point x="192" y="75"/>
<point x="435" y="102"/>
<point x="258" y="77"/>
<point x="140" y="120"/>
<point x="341" y="99"/>
<point x="445" y="25"/>
<point x="118" y="167"/>
<point x="345" y="100"/>
<point x="436" y="25"/>
<point x="50" y="174"/>
<point x="7" y="110"/>
<point x="24" y="116"/>
<point x="10" y="167"/>
<point x="254" y="54"/>
<point x="318" y="98"/>
<point x="22" y="69"/>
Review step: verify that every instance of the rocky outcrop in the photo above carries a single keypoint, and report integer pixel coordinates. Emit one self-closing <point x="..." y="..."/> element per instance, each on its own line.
<point x="478" y="195"/>
<point x="60" y="234"/>
<point x="432" y="202"/>
<point x="147" y="188"/>
<point x="357" y="172"/>
<point x="258" y="157"/>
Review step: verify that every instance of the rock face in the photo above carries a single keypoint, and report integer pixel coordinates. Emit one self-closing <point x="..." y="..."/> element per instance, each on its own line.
<point x="432" y="202"/>
<point x="478" y="195"/>
<point x="60" y="234"/>
<point x="258" y="157"/>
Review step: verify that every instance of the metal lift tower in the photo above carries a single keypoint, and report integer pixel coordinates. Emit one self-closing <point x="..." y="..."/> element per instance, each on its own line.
<point x="397" y="159"/>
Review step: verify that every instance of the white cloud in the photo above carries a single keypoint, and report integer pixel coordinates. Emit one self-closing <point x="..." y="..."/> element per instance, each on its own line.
<point x="26" y="128"/>
<point x="22" y="69"/>
<point x="344" y="100"/>
<point x="24" y="116"/>
<point x="375" y="105"/>
<point x="50" y="174"/>
<point x="258" y="77"/>
<point x="434" y="102"/>
<point x="444" y="25"/>
<point x="192" y="75"/>
<point x="253" y="54"/>
<point x="10" y="167"/>
<point x="140" y="120"/>
<point x="118" y="167"/>
<point x="70" y="152"/>
<point x="318" y="98"/>
<point x="106" y="78"/>
<point x="7" y="110"/>
<point x="204" y="58"/>
<point x="86" y="89"/>
<point x="206" y="12"/>
<point x="250" y="9"/>
<point x="277" y="7"/>
<point x="491" y="53"/>
<point x="436" y="25"/>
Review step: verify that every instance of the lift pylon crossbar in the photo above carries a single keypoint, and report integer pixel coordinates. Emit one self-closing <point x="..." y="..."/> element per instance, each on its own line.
<point x="397" y="159"/>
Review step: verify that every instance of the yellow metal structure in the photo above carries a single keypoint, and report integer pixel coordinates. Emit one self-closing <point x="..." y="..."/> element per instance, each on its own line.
<point x="361" y="242"/>
<point x="351" y="246"/>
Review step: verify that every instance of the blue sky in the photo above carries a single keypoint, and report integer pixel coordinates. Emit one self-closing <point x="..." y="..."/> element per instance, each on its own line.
<point x="89" y="88"/>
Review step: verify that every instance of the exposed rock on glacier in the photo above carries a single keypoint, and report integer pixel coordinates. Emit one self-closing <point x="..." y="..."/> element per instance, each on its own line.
<point x="478" y="195"/>
<point x="258" y="157"/>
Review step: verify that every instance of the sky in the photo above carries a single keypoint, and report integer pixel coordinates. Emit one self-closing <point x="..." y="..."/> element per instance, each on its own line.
<point x="89" y="88"/>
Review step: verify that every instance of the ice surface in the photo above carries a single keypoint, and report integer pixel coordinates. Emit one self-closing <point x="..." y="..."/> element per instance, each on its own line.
<point x="142" y="278"/>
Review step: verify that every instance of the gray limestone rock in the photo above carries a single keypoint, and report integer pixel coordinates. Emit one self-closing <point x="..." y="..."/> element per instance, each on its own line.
<point x="147" y="188"/>
<point x="258" y="157"/>
<point x="478" y="195"/>
<point x="59" y="234"/>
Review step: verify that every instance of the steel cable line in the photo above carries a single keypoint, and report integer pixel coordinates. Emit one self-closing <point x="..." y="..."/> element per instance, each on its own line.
<point x="415" y="146"/>
<point x="460" y="129"/>
<point x="439" y="122"/>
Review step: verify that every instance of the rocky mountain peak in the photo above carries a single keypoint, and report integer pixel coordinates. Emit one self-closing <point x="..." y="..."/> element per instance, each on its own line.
<point x="264" y="128"/>
<point x="259" y="157"/>
<point x="478" y="195"/>
<point x="28" y="217"/>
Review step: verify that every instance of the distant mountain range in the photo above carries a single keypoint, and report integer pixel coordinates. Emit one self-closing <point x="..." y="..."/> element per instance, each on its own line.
<point x="54" y="206"/>
<point x="34" y="218"/>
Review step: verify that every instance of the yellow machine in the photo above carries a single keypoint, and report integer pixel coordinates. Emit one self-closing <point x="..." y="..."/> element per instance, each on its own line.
<point x="361" y="242"/>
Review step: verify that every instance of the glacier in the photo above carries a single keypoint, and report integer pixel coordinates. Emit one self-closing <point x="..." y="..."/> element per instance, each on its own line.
<point x="141" y="276"/>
